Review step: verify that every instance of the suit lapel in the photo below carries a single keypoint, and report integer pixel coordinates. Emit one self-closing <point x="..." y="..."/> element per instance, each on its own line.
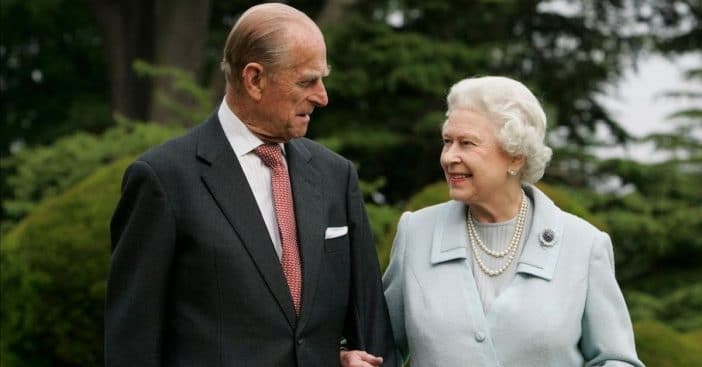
<point x="306" y="184"/>
<point x="227" y="183"/>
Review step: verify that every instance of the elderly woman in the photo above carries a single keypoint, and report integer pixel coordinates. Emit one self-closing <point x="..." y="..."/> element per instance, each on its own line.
<point x="500" y="276"/>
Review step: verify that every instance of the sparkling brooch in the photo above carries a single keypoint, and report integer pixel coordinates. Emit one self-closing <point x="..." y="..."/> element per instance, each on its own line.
<point x="547" y="238"/>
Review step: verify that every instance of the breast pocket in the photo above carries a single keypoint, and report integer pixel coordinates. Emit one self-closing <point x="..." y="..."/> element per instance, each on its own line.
<point x="339" y="244"/>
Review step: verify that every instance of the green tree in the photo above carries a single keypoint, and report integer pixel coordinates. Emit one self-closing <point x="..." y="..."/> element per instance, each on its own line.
<point x="51" y="72"/>
<point x="393" y="62"/>
<point x="171" y="33"/>
<point x="34" y="174"/>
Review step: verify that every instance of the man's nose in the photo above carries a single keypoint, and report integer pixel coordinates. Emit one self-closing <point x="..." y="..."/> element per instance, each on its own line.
<point x="319" y="97"/>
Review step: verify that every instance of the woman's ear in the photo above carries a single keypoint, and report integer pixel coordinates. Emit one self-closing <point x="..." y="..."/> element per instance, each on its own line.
<point x="517" y="164"/>
<point x="253" y="79"/>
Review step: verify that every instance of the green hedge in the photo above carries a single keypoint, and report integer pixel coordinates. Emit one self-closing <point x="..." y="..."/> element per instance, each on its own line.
<point x="53" y="280"/>
<point x="37" y="173"/>
<point x="429" y="195"/>
<point x="661" y="346"/>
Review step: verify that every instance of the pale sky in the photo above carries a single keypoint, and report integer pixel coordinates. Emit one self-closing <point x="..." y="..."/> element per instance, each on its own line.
<point x="636" y="103"/>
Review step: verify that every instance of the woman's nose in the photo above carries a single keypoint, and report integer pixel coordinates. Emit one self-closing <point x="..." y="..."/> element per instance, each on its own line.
<point x="449" y="155"/>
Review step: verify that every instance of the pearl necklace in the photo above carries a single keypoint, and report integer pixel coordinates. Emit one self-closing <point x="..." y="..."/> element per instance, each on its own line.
<point x="510" y="251"/>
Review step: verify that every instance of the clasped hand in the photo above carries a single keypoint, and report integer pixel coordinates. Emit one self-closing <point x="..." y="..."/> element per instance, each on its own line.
<point x="359" y="358"/>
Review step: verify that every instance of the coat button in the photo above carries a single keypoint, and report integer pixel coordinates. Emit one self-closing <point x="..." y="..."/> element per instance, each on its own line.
<point x="299" y="341"/>
<point x="479" y="336"/>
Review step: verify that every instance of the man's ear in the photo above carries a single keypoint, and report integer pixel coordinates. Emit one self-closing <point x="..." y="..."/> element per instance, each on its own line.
<point x="253" y="79"/>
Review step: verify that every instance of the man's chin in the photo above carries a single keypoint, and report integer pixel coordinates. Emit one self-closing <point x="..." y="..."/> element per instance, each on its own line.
<point x="297" y="133"/>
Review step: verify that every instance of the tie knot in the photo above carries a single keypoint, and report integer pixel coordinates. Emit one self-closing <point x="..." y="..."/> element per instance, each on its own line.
<point x="270" y="154"/>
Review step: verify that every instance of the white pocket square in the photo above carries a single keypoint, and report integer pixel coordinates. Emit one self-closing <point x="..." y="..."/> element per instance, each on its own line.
<point x="334" y="232"/>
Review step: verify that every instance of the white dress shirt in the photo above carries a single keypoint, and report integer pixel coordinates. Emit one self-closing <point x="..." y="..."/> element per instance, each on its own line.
<point x="243" y="141"/>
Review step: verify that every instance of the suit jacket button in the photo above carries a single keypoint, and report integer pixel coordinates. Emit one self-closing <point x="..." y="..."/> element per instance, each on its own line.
<point x="479" y="336"/>
<point x="299" y="341"/>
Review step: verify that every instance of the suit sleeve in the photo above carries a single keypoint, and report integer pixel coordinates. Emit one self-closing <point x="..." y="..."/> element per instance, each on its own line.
<point x="368" y="324"/>
<point x="143" y="240"/>
<point x="393" y="282"/>
<point x="607" y="336"/>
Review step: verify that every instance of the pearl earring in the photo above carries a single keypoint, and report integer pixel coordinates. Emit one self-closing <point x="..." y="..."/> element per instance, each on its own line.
<point x="512" y="172"/>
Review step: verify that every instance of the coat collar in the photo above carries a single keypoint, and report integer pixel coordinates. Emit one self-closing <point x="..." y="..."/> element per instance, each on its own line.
<point x="450" y="238"/>
<point x="541" y="249"/>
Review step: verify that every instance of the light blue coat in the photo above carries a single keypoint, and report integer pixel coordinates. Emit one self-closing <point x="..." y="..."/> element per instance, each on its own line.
<point x="564" y="307"/>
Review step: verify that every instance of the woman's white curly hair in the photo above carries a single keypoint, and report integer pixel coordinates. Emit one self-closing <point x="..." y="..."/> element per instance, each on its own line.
<point x="520" y="119"/>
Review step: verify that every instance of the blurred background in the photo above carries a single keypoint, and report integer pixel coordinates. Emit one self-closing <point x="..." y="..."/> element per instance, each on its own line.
<point x="88" y="85"/>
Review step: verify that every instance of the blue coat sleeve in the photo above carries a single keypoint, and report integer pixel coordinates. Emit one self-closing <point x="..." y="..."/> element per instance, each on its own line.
<point x="393" y="284"/>
<point x="607" y="333"/>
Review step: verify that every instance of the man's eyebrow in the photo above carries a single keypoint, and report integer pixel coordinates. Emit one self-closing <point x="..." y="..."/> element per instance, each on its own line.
<point x="314" y="74"/>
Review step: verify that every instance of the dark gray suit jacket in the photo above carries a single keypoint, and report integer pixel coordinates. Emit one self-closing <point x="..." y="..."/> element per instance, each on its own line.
<point x="194" y="278"/>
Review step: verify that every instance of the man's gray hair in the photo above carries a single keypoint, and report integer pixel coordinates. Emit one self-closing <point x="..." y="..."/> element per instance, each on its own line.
<point x="520" y="119"/>
<point x="259" y="35"/>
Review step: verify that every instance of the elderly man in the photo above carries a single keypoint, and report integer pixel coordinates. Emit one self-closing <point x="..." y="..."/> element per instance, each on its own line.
<point x="242" y="243"/>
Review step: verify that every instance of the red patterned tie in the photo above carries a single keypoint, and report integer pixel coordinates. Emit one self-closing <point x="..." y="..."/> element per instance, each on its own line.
<point x="272" y="157"/>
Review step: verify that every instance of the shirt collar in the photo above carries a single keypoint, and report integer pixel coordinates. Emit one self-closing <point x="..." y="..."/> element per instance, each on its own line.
<point x="242" y="140"/>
